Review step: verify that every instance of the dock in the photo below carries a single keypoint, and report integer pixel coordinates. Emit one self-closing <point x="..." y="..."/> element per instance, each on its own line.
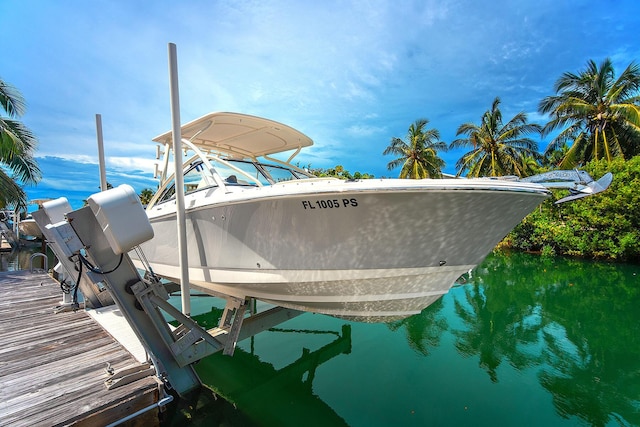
<point x="53" y="366"/>
<point x="6" y="238"/>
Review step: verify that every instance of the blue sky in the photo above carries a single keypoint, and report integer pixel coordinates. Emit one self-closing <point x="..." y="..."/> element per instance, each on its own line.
<point x="350" y="74"/>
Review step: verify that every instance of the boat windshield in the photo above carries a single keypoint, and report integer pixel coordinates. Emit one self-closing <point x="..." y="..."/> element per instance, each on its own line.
<point x="234" y="173"/>
<point x="252" y="172"/>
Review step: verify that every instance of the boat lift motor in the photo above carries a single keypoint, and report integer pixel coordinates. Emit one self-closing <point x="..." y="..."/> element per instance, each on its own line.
<point x="124" y="224"/>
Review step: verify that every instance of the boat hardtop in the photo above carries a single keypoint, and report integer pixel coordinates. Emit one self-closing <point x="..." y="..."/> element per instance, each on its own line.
<point x="238" y="134"/>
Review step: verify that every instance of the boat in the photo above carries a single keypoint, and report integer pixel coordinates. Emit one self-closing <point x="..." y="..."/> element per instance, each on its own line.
<point x="29" y="229"/>
<point x="372" y="250"/>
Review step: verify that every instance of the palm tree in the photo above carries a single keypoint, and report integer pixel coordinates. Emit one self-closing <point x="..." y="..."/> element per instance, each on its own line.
<point x="418" y="156"/>
<point x="553" y="158"/>
<point x="497" y="149"/>
<point x="531" y="165"/>
<point x="145" y="196"/>
<point x="17" y="145"/>
<point x="600" y="113"/>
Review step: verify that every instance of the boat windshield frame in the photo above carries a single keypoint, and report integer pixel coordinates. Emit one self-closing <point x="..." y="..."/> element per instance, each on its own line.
<point x="227" y="143"/>
<point x="226" y="173"/>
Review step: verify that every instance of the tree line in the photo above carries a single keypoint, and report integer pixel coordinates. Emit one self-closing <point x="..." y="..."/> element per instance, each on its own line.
<point x="595" y="112"/>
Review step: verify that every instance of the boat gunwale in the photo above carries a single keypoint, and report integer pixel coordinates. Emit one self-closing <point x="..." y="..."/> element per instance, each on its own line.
<point x="521" y="188"/>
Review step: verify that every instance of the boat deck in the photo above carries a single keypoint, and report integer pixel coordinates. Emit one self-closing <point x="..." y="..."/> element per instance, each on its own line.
<point x="52" y="366"/>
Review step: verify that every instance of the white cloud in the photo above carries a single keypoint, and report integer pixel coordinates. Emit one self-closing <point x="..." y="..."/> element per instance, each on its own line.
<point x="365" y="130"/>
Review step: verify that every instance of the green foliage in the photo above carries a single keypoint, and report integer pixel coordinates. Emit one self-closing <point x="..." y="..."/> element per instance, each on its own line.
<point x="339" y="172"/>
<point x="604" y="226"/>
<point x="17" y="148"/>
<point x="145" y="196"/>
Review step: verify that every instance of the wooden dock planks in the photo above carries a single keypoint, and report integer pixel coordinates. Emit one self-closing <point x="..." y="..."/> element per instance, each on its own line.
<point x="52" y="366"/>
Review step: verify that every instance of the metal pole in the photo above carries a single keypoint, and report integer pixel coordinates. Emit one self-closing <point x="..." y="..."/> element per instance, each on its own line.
<point x="103" y="173"/>
<point x="162" y="402"/>
<point x="177" y="157"/>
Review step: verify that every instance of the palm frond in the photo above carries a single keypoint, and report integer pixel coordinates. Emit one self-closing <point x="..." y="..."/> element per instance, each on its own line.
<point x="598" y="111"/>
<point x="11" y="100"/>
<point x="11" y="194"/>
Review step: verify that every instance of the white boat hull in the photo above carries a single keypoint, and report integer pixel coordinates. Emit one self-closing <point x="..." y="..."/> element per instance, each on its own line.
<point x="372" y="250"/>
<point x="29" y="229"/>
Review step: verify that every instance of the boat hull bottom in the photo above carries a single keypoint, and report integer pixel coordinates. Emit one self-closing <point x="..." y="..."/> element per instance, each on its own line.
<point x="360" y="295"/>
<point x="372" y="311"/>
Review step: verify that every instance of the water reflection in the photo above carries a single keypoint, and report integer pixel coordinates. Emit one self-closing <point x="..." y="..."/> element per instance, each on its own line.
<point x="575" y="321"/>
<point x="551" y="341"/>
<point x="20" y="259"/>
<point x="270" y="394"/>
<point x="423" y="331"/>
<point x="500" y="315"/>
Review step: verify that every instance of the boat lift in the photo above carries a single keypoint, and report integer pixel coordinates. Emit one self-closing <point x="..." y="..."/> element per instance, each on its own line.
<point x="92" y="243"/>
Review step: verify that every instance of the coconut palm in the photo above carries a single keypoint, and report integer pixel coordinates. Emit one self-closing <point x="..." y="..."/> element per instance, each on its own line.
<point x="599" y="113"/>
<point x="553" y="158"/>
<point x="145" y="196"/>
<point x="497" y="148"/>
<point x="17" y="145"/>
<point x="418" y="156"/>
<point x="531" y="165"/>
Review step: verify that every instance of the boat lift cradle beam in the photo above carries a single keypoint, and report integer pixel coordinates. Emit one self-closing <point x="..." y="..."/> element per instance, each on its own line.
<point x="143" y="303"/>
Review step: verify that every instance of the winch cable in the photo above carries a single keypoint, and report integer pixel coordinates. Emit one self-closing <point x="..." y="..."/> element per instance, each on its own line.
<point x="82" y="260"/>
<point x="95" y="269"/>
<point x="76" y="305"/>
<point x="66" y="288"/>
<point x="145" y="263"/>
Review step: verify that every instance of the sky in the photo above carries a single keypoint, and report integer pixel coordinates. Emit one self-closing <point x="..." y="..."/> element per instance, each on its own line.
<point x="349" y="74"/>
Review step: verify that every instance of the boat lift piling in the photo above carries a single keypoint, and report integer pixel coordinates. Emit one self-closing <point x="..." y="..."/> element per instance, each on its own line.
<point x="177" y="158"/>
<point x="103" y="173"/>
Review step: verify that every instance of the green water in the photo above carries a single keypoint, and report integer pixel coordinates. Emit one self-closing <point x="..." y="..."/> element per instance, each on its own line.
<point x="523" y="341"/>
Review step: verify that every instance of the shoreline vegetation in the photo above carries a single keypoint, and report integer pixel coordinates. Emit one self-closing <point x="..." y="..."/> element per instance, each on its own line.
<point x="605" y="226"/>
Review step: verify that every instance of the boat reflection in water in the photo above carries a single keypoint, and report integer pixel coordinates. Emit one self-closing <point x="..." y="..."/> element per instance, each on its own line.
<point x="552" y="341"/>
<point x="264" y="391"/>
